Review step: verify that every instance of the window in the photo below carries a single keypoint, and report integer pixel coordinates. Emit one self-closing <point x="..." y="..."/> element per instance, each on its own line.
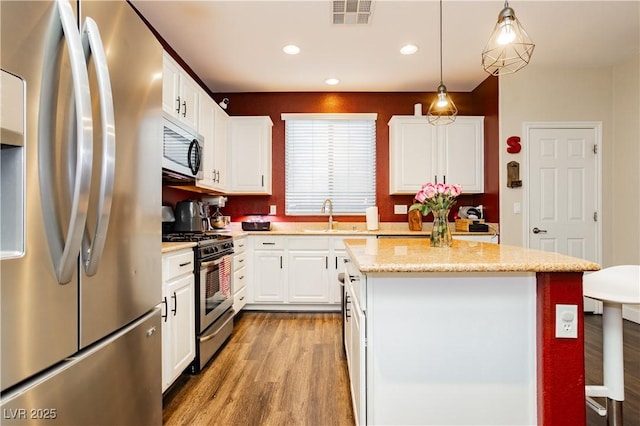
<point x="330" y="156"/>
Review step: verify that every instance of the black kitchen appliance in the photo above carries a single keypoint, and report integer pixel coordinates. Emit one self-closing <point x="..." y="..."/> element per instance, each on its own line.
<point x="256" y="223"/>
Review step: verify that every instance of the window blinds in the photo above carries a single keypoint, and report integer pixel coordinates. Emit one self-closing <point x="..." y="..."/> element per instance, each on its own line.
<point x="330" y="156"/>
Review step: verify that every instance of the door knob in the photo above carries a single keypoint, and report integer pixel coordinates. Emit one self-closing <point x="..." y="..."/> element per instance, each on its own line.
<point x="539" y="231"/>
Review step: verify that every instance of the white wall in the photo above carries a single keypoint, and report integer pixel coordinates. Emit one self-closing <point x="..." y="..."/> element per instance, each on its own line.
<point x="609" y="95"/>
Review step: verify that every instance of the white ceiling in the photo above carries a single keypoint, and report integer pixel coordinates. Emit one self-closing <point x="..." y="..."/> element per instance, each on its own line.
<point x="236" y="45"/>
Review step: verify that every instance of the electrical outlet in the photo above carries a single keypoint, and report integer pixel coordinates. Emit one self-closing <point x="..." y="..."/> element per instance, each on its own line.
<point x="399" y="209"/>
<point x="272" y="209"/>
<point x="567" y="321"/>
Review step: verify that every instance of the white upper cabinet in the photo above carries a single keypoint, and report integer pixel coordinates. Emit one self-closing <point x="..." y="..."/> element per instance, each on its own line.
<point x="212" y="125"/>
<point x="420" y="152"/>
<point x="250" y="160"/>
<point x="179" y="93"/>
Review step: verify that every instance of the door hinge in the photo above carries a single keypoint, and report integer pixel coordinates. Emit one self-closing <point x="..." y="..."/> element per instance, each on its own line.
<point x="595" y="216"/>
<point x="595" y="148"/>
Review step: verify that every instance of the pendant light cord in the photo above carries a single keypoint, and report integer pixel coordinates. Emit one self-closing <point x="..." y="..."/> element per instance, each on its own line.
<point x="440" y="42"/>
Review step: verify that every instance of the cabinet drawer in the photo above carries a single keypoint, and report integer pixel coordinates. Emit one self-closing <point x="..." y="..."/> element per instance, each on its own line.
<point x="239" y="279"/>
<point x="240" y="245"/>
<point x="309" y="243"/>
<point x="239" y="261"/>
<point x="268" y="243"/>
<point x="176" y="264"/>
<point x="240" y="299"/>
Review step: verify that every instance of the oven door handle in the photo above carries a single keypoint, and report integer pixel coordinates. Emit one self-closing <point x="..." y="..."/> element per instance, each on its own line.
<point x="212" y="262"/>
<point x="212" y="335"/>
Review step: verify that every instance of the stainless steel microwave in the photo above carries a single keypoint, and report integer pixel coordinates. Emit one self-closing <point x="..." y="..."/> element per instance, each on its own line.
<point x="182" y="150"/>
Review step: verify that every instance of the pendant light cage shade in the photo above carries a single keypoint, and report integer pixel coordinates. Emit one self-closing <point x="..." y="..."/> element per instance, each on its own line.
<point x="509" y="48"/>
<point x="442" y="110"/>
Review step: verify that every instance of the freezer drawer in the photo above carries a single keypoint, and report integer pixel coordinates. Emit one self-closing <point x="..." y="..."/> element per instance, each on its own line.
<point x="116" y="382"/>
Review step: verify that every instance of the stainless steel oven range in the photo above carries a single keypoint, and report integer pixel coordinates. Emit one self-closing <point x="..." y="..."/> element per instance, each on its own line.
<point x="214" y="315"/>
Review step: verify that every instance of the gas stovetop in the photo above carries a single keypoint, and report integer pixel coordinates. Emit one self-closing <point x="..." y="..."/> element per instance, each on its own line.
<point x="210" y="245"/>
<point x="195" y="237"/>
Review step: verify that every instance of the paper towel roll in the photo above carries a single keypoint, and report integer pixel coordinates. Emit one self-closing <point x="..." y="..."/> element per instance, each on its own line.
<point x="372" y="218"/>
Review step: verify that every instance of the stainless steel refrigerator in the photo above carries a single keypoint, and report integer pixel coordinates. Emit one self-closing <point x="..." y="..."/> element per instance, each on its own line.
<point x="80" y="197"/>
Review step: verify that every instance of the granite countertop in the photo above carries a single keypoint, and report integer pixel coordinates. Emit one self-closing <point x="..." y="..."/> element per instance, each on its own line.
<point x="169" y="247"/>
<point x="416" y="255"/>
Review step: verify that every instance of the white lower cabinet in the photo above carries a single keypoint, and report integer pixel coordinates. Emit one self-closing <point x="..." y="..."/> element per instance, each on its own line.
<point x="296" y="272"/>
<point x="356" y="349"/>
<point x="240" y="270"/>
<point x="178" y="314"/>
<point x="308" y="269"/>
<point x="268" y="284"/>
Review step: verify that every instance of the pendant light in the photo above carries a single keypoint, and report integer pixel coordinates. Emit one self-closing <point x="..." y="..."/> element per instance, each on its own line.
<point x="509" y="48"/>
<point x="442" y="109"/>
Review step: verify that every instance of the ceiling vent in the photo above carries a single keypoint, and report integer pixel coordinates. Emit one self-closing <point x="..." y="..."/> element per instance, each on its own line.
<point x="352" y="12"/>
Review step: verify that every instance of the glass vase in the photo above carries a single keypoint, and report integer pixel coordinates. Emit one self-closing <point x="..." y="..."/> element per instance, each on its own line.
<point x="441" y="234"/>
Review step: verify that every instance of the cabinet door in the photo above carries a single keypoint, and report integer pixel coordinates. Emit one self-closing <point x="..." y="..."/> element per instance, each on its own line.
<point x="189" y="93"/>
<point x="347" y="317"/>
<point x="462" y="153"/>
<point x="180" y="324"/>
<point x="170" y="86"/>
<point x="357" y="372"/>
<point x="250" y="155"/>
<point x="335" y="289"/>
<point x="308" y="276"/>
<point x="412" y="154"/>
<point x="206" y="121"/>
<point x="269" y="276"/>
<point x="220" y="157"/>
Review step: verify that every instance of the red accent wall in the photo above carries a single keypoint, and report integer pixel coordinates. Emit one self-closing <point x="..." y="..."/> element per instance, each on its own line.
<point x="482" y="101"/>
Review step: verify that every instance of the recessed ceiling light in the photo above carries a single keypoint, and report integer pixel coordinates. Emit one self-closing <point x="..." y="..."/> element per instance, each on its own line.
<point x="291" y="49"/>
<point x="332" y="81"/>
<point x="409" y="49"/>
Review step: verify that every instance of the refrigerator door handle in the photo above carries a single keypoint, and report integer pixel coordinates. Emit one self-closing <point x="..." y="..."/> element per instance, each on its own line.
<point x="64" y="252"/>
<point x="92" y="250"/>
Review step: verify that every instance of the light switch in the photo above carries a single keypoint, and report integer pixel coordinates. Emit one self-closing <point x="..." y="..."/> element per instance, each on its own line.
<point x="517" y="209"/>
<point x="272" y="209"/>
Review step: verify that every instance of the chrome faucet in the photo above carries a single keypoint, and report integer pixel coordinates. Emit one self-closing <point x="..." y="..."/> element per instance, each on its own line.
<point x="324" y="205"/>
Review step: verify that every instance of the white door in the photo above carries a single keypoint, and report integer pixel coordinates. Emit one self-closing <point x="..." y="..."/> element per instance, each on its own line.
<point x="564" y="190"/>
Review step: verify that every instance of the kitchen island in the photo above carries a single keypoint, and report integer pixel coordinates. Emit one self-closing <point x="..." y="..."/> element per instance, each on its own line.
<point x="463" y="335"/>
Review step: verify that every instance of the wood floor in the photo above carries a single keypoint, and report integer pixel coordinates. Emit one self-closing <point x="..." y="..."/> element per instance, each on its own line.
<point x="289" y="369"/>
<point x="276" y="369"/>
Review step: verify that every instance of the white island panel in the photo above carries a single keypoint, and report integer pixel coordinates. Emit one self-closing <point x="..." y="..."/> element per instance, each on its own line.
<point x="451" y="349"/>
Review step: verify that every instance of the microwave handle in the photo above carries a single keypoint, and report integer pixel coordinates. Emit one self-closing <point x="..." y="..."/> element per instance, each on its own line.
<point x="195" y="166"/>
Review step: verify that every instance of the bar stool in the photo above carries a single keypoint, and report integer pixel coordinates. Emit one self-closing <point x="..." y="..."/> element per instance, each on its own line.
<point x="614" y="286"/>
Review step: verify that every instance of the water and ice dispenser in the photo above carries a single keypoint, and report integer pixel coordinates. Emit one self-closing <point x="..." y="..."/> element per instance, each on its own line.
<point x="12" y="166"/>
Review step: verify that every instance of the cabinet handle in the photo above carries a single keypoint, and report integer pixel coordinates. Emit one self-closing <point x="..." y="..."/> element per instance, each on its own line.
<point x="263" y="181"/>
<point x="241" y="260"/>
<point x="268" y="244"/>
<point x="444" y="179"/>
<point x="242" y="298"/>
<point x="326" y="262"/>
<point x="175" y="304"/>
<point x="347" y="311"/>
<point x="164" y="302"/>
<point x="241" y="277"/>
<point x="336" y="262"/>
<point x="280" y="262"/>
<point x="178" y="108"/>
<point x="435" y="178"/>
<point x="184" y="104"/>
<point x="185" y="264"/>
